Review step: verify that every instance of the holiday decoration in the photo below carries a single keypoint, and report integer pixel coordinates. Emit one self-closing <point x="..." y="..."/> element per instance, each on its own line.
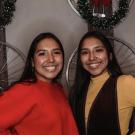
<point x="106" y="3"/>
<point x="101" y="21"/>
<point x="7" y="7"/>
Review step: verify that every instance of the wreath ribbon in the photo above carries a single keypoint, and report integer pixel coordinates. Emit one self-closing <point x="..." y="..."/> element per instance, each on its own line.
<point x="105" y="3"/>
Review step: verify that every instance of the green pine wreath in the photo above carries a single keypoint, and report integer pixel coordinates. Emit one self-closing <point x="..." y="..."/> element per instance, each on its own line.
<point x="83" y="6"/>
<point x="6" y="12"/>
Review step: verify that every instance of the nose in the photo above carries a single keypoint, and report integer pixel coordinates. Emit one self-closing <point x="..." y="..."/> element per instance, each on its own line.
<point x="50" y="58"/>
<point x="92" y="56"/>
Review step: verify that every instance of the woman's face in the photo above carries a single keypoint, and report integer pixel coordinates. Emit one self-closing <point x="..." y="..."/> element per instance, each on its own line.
<point x="48" y="60"/>
<point x="93" y="56"/>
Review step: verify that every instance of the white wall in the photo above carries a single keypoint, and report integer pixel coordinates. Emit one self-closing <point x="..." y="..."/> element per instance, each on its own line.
<point x="126" y="29"/>
<point x="35" y="16"/>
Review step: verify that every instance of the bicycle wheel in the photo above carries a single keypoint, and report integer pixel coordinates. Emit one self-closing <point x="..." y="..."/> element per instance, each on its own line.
<point x="12" y="64"/>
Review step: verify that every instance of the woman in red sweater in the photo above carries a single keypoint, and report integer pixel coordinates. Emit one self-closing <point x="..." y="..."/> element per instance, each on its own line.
<point x="36" y="104"/>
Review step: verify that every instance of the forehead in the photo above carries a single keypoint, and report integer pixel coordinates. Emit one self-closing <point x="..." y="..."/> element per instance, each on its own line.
<point x="48" y="43"/>
<point x="92" y="42"/>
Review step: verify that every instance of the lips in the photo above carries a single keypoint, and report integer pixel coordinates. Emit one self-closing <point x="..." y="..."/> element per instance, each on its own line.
<point x="50" y="68"/>
<point x="94" y="65"/>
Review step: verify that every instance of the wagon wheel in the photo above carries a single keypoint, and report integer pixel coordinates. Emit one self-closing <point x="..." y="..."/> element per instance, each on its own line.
<point x="125" y="55"/>
<point x="12" y="64"/>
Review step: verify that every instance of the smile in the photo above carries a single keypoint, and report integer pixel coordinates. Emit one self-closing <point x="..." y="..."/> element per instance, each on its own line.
<point x="94" y="65"/>
<point x="50" y="68"/>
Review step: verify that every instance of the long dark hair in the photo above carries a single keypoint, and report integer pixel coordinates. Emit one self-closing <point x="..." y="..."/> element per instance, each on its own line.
<point x="82" y="77"/>
<point x="28" y="73"/>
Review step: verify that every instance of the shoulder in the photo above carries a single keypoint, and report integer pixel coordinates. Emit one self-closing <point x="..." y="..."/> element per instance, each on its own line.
<point x="19" y="94"/>
<point x="126" y="79"/>
<point x="126" y="89"/>
<point x="58" y="86"/>
<point x="62" y="89"/>
<point x="21" y="86"/>
<point x="20" y="89"/>
<point x="126" y="83"/>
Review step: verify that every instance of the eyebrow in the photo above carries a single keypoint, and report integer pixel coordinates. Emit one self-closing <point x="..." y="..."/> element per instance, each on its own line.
<point x="98" y="46"/>
<point x="43" y="50"/>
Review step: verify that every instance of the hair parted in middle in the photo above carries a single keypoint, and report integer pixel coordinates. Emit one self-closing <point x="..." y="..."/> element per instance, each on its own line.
<point x="28" y="73"/>
<point x="83" y="77"/>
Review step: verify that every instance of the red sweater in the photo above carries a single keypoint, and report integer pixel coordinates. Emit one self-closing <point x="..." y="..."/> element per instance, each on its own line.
<point x="36" y="109"/>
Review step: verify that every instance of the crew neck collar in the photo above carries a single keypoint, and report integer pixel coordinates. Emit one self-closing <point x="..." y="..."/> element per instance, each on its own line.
<point x="45" y="83"/>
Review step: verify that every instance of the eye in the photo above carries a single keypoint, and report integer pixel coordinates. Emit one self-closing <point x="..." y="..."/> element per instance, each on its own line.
<point x="100" y="50"/>
<point x="84" y="52"/>
<point x="41" y="53"/>
<point x="57" y="52"/>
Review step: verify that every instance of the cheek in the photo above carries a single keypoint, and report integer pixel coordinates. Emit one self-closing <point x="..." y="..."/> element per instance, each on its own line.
<point x="38" y="61"/>
<point x="59" y="59"/>
<point x="83" y="62"/>
<point x="83" y="59"/>
<point x="104" y="57"/>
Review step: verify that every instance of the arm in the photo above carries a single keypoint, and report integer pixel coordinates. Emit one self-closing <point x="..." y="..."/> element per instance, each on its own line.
<point x="5" y="132"/>
<point x="133" y="133"/>
<point x="127" y="85"/>
<point x="15" y="104"/>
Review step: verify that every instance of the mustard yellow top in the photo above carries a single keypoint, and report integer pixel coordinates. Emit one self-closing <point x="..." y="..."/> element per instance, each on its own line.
<point x="125" y="93"/>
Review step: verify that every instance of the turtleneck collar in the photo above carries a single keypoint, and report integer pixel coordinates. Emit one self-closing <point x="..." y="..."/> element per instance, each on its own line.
<point x="102" y="77"/>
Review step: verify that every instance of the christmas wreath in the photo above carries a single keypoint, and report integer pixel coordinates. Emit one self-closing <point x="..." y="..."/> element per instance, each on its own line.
<point x="85" y="10"/>
<point x="7" y="7"/>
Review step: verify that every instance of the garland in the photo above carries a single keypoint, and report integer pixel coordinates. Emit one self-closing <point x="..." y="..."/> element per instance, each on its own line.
<point x="85" y="10"/>
<point x="7" y="7"/>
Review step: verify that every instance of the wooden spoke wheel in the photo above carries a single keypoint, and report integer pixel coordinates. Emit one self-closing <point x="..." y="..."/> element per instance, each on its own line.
<point x="12" y="62"/>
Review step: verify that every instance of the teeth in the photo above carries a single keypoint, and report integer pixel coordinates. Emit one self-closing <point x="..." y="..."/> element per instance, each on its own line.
<point x="50" y="69"/>
<point x="94" y="65"/>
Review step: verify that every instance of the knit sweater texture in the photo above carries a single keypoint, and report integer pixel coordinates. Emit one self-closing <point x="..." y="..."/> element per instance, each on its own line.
<point x="36" y="109"/>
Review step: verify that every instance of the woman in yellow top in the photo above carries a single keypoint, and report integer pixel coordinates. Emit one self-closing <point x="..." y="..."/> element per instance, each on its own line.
<point x="102" y="98"/>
